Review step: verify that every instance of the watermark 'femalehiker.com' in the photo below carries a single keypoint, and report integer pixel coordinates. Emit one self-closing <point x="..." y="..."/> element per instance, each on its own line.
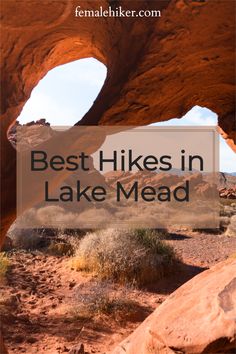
<point x="117" y="12"/>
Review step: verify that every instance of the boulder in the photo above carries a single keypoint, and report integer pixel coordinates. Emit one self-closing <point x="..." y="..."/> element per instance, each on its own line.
<point x="27" y="239"/>
<point x="199" y="317"/>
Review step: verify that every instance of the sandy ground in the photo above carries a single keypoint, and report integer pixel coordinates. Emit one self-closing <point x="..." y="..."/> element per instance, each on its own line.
<point x="40" y="290"/>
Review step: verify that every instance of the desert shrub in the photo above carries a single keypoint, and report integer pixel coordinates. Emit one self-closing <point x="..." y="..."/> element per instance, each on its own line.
<point x="101" y="298"/>
<point x="65" y="242"/>
<point x="126" y="256"/>
<point x="4" y="265"/>
<point x="61" y="249"/>
<point x="26" y="239"/>
<point x="72" y="238"/>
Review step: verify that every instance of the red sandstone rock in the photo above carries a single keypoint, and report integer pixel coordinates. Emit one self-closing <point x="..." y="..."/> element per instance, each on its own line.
<point x="199" y="317"/>
<point x="15" y="128"/>
<point x="229" y="193"/>
<point x="3" y="349"/>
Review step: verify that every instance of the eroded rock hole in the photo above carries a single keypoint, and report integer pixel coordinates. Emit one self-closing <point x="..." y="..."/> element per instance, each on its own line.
<point x="202" y="116"/>
<point x="65" y="94"/>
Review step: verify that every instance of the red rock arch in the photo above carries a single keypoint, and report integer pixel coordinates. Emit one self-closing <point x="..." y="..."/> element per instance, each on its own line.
<point x="157" y="68"/>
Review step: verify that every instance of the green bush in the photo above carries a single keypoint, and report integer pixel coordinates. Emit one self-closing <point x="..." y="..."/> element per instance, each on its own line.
<point x="126" y="256"/>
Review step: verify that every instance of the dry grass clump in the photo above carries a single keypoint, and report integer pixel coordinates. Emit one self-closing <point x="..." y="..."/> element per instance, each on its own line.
<point x="126" y="256"/>
<point x="4" y="265"/>
<point x="56" y="241"/>
<point x="65" y="242"/>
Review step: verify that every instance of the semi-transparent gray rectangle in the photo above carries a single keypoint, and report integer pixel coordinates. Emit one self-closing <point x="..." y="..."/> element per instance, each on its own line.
<point x="104" y="176"/>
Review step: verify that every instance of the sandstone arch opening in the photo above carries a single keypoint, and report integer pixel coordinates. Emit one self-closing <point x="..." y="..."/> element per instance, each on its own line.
<point x="66" y="93"/>
<point x="199" y="116"/>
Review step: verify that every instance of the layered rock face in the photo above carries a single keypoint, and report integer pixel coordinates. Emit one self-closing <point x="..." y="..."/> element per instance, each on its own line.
<point x="158" y="68"/>
<point x="199" y="317"/>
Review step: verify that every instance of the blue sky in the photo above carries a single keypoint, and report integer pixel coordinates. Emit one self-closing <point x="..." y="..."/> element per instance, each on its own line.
<point x="67" y="92"/>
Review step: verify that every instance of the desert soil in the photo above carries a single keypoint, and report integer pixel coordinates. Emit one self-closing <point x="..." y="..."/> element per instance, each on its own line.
<point x="40" y="289"/>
